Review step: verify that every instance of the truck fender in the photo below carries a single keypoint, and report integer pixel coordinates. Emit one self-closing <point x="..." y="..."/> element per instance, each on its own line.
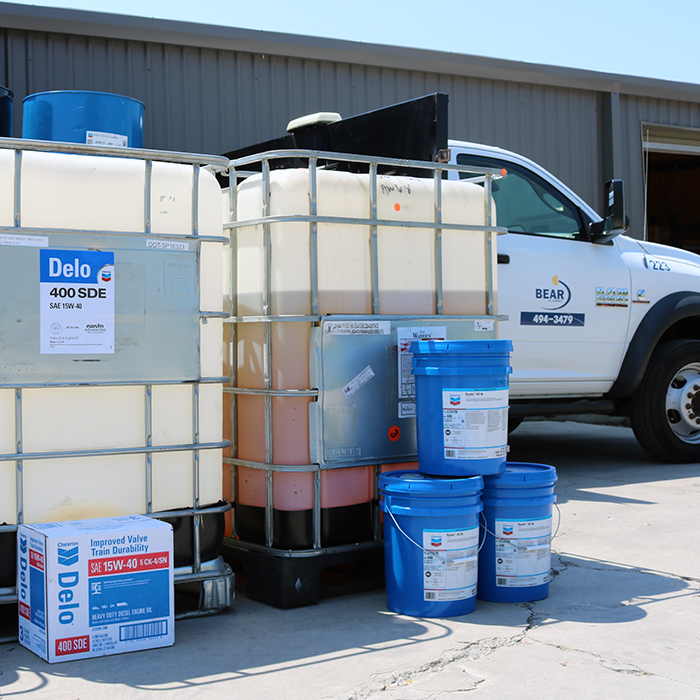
<point x="660" y="318"/>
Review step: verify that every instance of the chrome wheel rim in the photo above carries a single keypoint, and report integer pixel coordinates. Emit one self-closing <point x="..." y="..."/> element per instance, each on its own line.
<point x="683" y="403"/>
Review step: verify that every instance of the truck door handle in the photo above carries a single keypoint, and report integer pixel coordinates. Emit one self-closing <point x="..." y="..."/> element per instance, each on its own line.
<point x="503" y="259"/>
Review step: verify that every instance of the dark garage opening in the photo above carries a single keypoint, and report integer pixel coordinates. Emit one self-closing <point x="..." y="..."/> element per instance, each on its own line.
<point x="673" y="200"/>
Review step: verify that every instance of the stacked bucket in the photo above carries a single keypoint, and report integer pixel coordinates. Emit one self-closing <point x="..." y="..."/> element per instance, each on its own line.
<point x="467" y="524"/>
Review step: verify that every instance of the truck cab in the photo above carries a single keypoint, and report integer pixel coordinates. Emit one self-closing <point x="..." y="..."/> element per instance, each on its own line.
<point x="600" y="322"/>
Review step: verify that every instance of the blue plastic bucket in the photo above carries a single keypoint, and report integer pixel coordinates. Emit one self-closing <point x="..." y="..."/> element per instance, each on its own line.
<point x="80" y="116"/>
<point x="516" y="533"/>
<point x="461" y="405"/>
<point x="431" y="537"/>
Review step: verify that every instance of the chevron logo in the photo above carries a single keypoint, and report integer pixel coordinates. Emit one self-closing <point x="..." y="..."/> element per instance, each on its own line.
<point x="67" y="556"/>
<point x="23" y="544"/>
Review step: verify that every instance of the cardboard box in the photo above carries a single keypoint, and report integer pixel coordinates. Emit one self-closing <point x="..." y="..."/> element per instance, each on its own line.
<point x="95" y="587"/>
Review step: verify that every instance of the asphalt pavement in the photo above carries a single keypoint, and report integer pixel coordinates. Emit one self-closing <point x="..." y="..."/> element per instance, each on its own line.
<point x="621" y="619"/>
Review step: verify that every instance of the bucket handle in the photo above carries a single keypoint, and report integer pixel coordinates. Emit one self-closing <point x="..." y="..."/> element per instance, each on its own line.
<point x="527" y="547"/>
<point x="458" y="560"/>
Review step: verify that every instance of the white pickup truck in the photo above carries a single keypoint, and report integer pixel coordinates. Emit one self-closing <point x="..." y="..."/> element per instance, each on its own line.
<point x="600" y="322"/>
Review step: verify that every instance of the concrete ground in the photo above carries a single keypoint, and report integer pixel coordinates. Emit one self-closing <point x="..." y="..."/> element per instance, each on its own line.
<point x="621" y="620"/>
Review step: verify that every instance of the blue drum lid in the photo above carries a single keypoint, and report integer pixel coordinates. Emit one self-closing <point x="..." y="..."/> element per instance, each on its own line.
<point x="522" y="474"/>
<point x="82" y="93"/>
<point x="416" y="483"/>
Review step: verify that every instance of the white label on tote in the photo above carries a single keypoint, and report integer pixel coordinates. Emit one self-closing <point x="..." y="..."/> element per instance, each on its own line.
<point x="76" y="298"/>
<point x="101" y="138"/>
<point x="166" y="245"/>
<point x="407" y="409"/>
<point x="31" y="241"/>
<point x="450" y="564"/>
<point x="475" y="423"/>
<point x="523" y="552"/>
<point x="357" y="327"/>
<point x="483" y="326"/>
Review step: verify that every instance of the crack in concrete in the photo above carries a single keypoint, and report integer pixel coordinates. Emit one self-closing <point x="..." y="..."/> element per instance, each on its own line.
<point x="634" y="671"/>
<point x="533" y="618"/>
<point x="614" y="665"/>
<point x="472" y="652"/>
<point x="610" y="568"/>
<point x="476" y="682"/>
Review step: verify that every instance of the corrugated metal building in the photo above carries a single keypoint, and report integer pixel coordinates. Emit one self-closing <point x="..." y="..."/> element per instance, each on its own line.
<point x="213" y="89"/>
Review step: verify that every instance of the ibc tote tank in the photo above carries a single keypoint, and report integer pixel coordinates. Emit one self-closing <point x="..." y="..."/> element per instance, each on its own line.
<point x="108" y="421"/>
<point x="406" y="262"/>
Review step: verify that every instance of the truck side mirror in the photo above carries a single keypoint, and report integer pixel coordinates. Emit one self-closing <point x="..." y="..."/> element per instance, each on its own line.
<point x="614" y="221"/>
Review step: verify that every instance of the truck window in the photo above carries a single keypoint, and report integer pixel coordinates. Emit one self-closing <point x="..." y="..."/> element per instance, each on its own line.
<point x="525" y="203"/>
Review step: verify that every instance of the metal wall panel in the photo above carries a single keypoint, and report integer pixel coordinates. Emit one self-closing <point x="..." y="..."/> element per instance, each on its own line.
<point x="209" y="99"/>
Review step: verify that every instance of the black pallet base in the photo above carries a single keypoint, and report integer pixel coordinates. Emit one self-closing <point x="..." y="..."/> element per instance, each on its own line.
<point x="289" y="581"/>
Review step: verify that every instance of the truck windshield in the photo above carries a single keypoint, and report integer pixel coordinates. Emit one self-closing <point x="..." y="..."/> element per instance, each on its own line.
<point x="525" y="203"/>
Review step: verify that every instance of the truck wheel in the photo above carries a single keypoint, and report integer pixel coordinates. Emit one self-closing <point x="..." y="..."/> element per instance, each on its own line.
<point x="665" y="409"/>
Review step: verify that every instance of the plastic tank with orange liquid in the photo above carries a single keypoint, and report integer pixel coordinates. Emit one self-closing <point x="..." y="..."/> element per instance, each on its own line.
<point x="290" y="272"/>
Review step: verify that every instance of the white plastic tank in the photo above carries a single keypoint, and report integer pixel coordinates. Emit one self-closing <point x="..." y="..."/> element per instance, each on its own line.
<point x="140" y="389"/>
<point x="407" y="284"/>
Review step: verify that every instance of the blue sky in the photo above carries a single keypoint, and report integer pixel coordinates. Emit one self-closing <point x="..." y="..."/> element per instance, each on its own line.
<point x="642" y="38"/>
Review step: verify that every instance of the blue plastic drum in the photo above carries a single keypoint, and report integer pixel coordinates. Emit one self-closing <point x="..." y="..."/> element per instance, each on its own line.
<point x="80" y="116"/>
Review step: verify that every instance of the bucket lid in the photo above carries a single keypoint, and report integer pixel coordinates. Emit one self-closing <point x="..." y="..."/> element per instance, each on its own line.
<point x="420" y="484"/>
<point x="464" y="347"/>
<point x="460" y="371"/>
<point x="522" y="474"/>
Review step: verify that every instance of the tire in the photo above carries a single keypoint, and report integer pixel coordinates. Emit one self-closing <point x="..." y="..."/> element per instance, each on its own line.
<point x="665" y="409"/>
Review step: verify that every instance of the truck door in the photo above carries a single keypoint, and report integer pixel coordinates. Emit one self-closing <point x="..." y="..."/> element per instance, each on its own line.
<point x="567" y="299"/>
